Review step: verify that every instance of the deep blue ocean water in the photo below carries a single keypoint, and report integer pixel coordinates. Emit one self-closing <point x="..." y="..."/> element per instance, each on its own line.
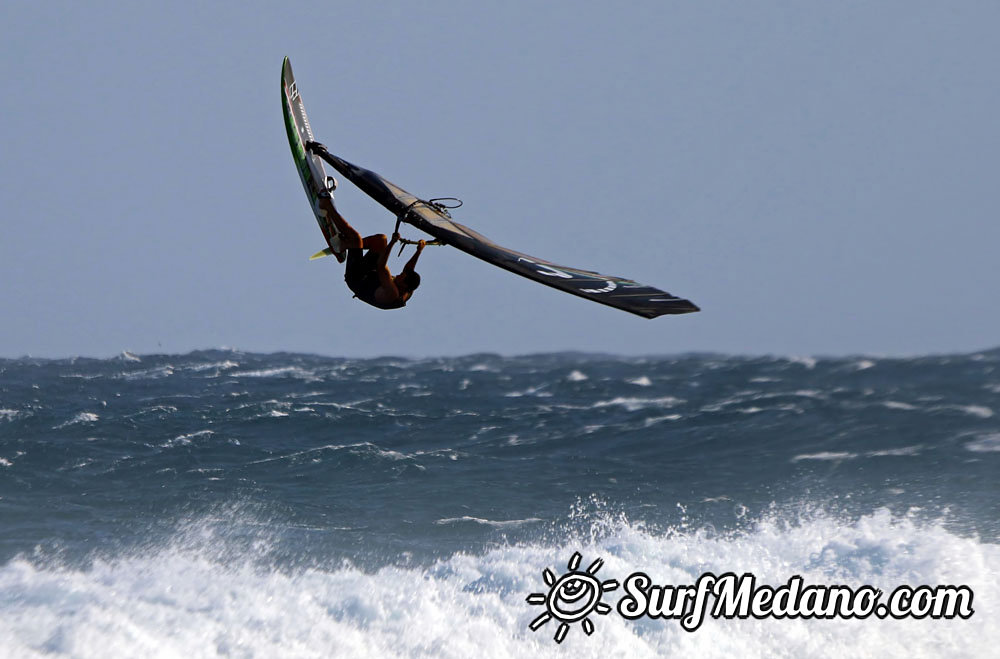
<point x="222" y="503"/>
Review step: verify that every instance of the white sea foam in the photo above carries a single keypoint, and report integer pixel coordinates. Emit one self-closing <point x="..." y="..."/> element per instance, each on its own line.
<point x="154" y="409"/>
<point x="283" y="371"/>
<point x="837" y="456"/>
<point x="981" y="411"/>
<point x="350" y="405"/>
<point x="149" y="374"/>
<point x="633" y="404"/>
<point x="451" y="454"/>
<point x="903" y="451"/>
<point x="4" y="462"/>
<point x="826" y="455"/>
<point x="504" y="523"/>
<point x="220" y="366"/>
<point x="641" y="381"/>
<point x="200" y="598"/>
<point x="576" y="376"/>
<point x="8" y="415"/>
<point x="182" y="440"/>
<point x="731" y="400"/>
<point x="897" y="405"/>
<point x="361" y="447"/>
<point x="82" y="417"/>
<point x="653" y="420"/>
<point x="988" y="443"/>
<point x="530" y="391"/>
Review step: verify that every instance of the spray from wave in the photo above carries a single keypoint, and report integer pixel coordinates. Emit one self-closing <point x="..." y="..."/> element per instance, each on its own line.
<point x="210" y="591"/>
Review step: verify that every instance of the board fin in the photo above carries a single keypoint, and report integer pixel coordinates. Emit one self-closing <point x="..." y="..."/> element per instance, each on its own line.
<point x="320" y="254"/>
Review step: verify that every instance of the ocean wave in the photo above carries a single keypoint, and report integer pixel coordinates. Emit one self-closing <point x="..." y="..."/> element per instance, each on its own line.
<point x="499" y="524"/>
<point x="898" y="405"/>
<point x="808" y="362"/>
<point x="826" y="455"/>
<point x="537" y="391"/>
<point x="653" y="420"/>
<point x="81" y="417"/>
<point x="362" y="449"/>
<point x="903" y="451"/>
<point x="988" y="443"/>
<point x="198" y="596"/>
<point x="361" y="470"/>
<point x="634" y="404"/>
<point x="980" y="411"/>
<point x="210" y="366"/>
<point x="281" y="371"/>
<point x="185" y="439"/>
<point x="148" y="374"/>
<point x="838" y="456"/>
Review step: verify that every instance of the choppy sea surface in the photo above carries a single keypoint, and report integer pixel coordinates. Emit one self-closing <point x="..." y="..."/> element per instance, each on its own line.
<point x="222" y="503"/>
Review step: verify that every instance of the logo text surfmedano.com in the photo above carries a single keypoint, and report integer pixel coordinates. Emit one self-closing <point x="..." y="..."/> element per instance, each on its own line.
<point x="575" y="595"/>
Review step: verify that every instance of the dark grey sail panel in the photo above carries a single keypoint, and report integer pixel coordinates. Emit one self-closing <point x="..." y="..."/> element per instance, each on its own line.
<point x="613" y="291"/>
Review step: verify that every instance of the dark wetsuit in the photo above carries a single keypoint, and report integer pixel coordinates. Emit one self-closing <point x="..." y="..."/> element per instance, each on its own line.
<point x="361" y="275"/>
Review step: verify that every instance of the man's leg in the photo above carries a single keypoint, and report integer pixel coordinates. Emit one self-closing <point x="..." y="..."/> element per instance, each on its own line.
<point x="377" y="242"/>
<point x="349" y="237"/>
<point x="375" y="246"/>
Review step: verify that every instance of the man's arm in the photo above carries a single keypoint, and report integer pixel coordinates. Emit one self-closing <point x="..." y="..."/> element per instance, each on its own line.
<point x="383" y="258"/>
<point x="412" y="263"/>
<point x="385" y="279"/>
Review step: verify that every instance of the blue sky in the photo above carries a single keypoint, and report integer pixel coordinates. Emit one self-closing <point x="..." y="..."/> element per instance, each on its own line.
<point x="818" y="177"/>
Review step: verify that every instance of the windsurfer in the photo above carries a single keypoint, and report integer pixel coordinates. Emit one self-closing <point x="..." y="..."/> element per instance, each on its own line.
<point x="367" y="273"/>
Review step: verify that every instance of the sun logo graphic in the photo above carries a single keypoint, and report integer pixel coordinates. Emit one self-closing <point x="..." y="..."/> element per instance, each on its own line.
<point x="572" y="597"/>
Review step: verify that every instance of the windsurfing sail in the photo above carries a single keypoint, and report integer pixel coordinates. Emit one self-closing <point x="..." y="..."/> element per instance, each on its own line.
<point x="617" y="292"/>
<point x="318" y="186"/>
